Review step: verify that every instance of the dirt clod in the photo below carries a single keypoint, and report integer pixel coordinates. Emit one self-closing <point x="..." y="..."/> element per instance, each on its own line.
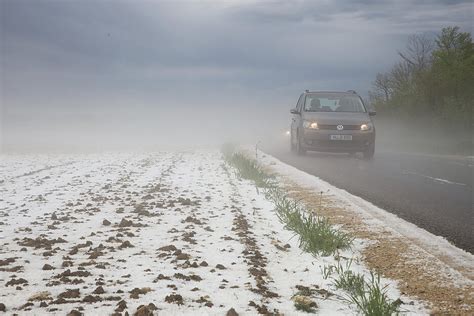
<point x="14" y="282"/>
<point x="190" y="277"/>
<point x="136" y="292"/>
<point x="168" y="248"/>
<point x="40" y="242"/>
<point x="69" y="273"/>
<point x="121" y="306"/>
<point x="92" y="299"/>
<point x="7" y="261"/>
<point x="127" y="223"/>
<point x="143" y="310"/>
<point x="182" y="256"/>
<point x="48" y="267"/>
<point x="75" y="313"/>
<point x="70" y="293"/>
<point x="231" y="312"/>
<point x="99" y="290"/>
<point x="126" y="244"/>
<point x="174" y="299"/>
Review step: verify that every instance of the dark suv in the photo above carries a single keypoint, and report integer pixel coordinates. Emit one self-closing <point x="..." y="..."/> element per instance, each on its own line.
<point x="332" y="121"/>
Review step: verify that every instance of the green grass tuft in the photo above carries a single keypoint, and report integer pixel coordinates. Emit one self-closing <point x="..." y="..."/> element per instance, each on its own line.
<point x="315" y="234"/>
<point x="368" y="296"/>
<point x="247" y="168"/>
<point x="347" y="280"/>
<point x="374" y="300"/>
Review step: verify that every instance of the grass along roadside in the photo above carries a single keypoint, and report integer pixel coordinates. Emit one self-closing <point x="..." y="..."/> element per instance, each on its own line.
<point x="247" y="168"/>
<point x="441" y="285"/>
<point x="317" y="236"/>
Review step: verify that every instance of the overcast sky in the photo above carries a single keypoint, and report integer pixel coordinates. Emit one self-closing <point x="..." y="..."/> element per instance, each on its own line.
<point x="111" y="68"/>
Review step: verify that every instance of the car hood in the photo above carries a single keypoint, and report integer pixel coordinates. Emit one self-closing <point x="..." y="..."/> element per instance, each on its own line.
<point x="336" y="118"/>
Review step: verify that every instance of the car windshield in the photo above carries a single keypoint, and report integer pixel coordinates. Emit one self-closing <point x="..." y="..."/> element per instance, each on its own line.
<point x="333" y="103"/>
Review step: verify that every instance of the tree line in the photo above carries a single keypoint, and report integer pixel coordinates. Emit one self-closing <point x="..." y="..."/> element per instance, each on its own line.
<point x="434" y="79"/>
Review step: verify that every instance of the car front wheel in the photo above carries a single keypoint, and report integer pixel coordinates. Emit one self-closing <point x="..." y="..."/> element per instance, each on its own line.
<point x="369" y="152"/>
<point x="299" y="147"/>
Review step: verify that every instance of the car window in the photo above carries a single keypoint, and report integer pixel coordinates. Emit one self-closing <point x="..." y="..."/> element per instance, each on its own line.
<point x="333" y="103"/>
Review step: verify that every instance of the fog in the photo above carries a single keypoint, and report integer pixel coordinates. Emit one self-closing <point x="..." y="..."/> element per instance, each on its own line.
<point x="188" y="121"/>
<point x="89" y="76"/>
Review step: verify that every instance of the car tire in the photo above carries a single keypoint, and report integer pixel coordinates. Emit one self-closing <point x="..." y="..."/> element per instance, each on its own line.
<point x="369" y="152"/>
<point x="299" y="147"/>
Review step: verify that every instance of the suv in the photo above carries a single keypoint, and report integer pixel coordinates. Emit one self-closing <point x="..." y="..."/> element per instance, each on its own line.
<point x="332" y="121"/>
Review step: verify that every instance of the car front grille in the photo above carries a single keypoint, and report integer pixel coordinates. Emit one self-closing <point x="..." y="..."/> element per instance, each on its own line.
<point x="330" y="144"/>
<point x="334" y="127"/>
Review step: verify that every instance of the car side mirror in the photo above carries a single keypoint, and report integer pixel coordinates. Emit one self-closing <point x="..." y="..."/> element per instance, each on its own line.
<point x="294" y="111"/>
<point x="372" y="113"/>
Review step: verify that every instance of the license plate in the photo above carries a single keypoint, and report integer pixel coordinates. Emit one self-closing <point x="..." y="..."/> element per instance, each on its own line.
<point x="341" y="137"/>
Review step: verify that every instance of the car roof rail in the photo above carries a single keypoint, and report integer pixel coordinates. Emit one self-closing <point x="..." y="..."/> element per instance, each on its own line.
<point x="306" y="90"/>
<point x="352" y="91"/>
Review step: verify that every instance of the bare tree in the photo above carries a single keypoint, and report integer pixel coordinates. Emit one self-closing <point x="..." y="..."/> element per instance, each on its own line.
<point x="400" y="76"/>
<point x="383" y="86"/>
<point x="418" y="52"/>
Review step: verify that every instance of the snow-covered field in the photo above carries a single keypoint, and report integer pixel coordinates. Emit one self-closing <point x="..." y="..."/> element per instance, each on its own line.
<point x="107" y="233"/>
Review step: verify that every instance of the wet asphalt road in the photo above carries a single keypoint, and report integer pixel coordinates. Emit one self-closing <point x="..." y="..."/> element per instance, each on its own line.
<point x="433" y="192"/>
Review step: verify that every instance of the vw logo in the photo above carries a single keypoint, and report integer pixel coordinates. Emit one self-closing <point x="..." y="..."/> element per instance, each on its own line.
<point x="340" y="127"/>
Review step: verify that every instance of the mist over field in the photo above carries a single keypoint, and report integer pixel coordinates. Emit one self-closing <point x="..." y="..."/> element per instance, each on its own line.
<point x="190" y="124"/>
<point x="92" y="75"/>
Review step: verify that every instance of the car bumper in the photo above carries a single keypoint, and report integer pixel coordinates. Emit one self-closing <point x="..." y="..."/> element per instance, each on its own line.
<point x="320" y="140"/>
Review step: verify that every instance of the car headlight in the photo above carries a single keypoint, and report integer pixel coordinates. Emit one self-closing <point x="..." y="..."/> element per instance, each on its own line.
<point x="366" y="127"/>
<point x="310" y="124"/>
